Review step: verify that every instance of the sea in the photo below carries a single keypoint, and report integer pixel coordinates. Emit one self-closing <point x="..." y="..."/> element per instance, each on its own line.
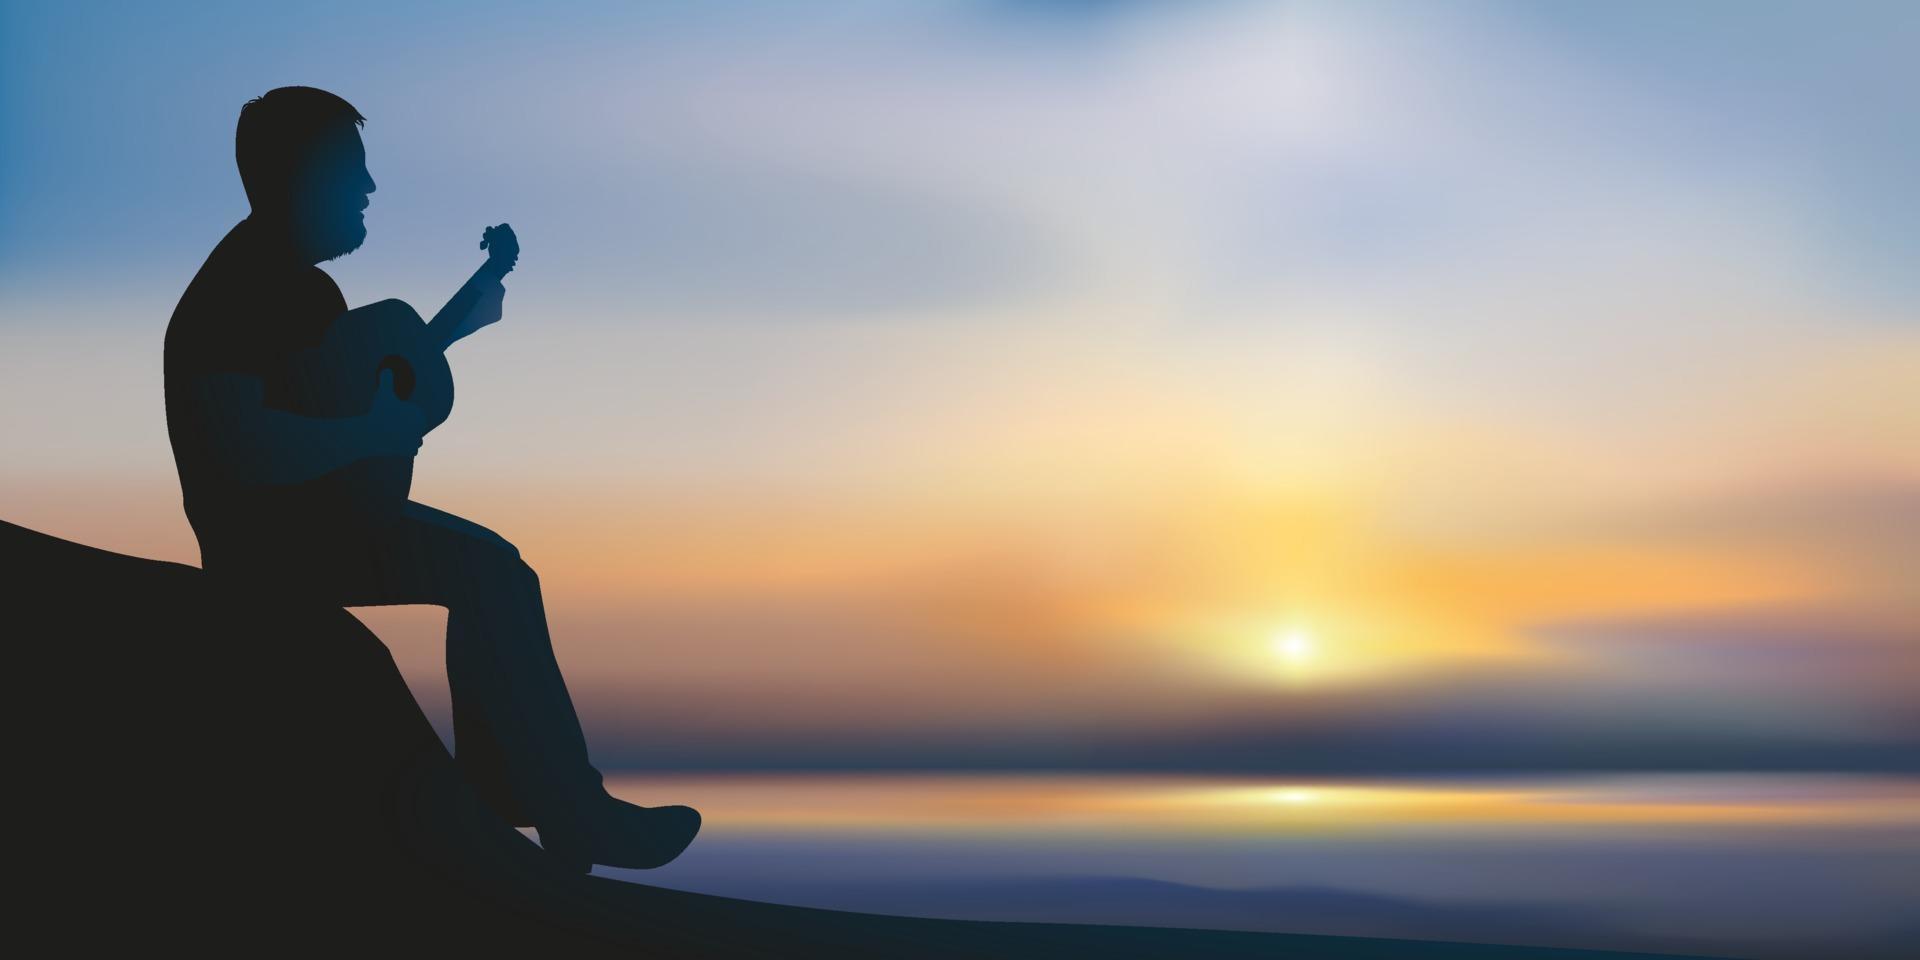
<point x="1716" y="864"/>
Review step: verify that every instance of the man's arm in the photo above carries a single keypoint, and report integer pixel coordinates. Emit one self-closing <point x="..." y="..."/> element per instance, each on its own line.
<point x="261" y="444"/>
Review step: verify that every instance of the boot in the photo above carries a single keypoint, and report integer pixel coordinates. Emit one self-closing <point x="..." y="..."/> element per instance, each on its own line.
<point x="610" y="831"/>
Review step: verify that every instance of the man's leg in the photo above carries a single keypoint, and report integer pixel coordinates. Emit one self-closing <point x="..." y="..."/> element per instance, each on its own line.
<point x="477" y="749"/>
<point x="516" y="732"/>
<point x="515" y="727"/>
<point x="516" y="735"/>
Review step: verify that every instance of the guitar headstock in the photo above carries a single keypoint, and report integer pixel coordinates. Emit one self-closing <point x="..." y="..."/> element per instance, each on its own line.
<point x="503" y="248"/>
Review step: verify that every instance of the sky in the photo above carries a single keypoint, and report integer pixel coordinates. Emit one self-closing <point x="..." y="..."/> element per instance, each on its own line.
<point x="1252" y="386"/>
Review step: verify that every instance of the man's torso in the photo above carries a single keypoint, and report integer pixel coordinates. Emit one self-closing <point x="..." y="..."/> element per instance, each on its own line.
<point x="248" y="310"/>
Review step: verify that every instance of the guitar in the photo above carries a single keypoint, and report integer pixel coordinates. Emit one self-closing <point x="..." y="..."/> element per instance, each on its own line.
<point x="338" y="377"/>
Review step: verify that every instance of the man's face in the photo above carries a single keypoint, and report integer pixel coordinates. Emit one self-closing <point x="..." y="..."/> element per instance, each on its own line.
<point x="330" y="196"/>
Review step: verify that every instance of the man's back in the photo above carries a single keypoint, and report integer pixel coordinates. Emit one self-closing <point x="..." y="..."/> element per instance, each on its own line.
<point x="251" y="306"/>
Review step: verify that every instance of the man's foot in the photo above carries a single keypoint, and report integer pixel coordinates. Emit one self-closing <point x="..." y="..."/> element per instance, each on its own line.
<point x="620" y="834"/>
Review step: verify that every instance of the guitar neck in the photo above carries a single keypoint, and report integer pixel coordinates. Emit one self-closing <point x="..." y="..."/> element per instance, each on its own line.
<point x="443" y="325"/>
<point x="492" y="269"/>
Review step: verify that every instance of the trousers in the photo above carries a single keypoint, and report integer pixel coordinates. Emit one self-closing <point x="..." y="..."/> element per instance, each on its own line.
<point x="517" y="737"/>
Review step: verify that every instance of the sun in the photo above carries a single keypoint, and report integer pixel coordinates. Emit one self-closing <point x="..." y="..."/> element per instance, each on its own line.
<point x="1293" y="645"/>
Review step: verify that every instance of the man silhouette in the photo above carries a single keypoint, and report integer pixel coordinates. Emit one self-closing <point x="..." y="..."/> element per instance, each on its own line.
<point x="264" y="486"/>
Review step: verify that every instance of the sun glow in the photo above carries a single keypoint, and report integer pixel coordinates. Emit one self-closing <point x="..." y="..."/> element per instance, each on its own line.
<point x="1293" y="645"/>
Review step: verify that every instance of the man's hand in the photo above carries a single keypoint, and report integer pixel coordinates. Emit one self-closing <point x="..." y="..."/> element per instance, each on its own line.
<point x="394" y="426"/>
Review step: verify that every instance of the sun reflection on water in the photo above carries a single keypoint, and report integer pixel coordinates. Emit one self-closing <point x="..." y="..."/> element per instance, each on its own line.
<point x="1013" y="803"/>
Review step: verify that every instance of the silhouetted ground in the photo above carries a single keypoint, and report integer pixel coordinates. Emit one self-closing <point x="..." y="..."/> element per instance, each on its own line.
<point x="199" y="769"/>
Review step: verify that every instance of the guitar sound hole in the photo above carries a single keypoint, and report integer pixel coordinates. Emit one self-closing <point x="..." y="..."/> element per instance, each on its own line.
<point x="403" y="378"/>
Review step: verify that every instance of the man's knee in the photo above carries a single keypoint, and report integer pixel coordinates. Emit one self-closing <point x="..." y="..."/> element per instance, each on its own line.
<point x="493" y="543"/>
<point x="493" y="579"/>
<point x="513" y="570"/>
<point x="505" y="566"/>
<point x="461" y="525"/>
<point x="506" y="548"/>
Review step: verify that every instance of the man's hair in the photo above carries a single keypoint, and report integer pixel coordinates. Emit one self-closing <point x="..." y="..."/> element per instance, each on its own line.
<point x="277" y="131"/>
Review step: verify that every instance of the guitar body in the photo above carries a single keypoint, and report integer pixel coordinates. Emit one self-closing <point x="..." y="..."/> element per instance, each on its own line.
<point x="339" y="377"/>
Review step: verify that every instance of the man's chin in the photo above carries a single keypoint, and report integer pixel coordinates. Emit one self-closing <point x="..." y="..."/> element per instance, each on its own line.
<point x="346" y="245"/>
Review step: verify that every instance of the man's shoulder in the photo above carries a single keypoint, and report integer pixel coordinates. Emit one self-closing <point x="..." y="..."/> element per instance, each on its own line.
<point x="227" y="270"/>
<point x="240" y="286"/>
<point x="218" y="322"/>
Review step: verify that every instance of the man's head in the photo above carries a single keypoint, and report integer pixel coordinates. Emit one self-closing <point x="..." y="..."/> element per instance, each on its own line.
<point x="305" y="169"/>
